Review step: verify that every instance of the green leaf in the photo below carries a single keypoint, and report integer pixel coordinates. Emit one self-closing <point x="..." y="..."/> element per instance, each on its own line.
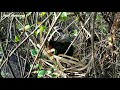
<point x="43" y="14"/>
<point x="55" y="51"/>
<point x="17" y="38"/>
<point x="27" y="27"/>
<point x="37" y="32"/>
<point x="64" y="16"/>
<point x="75" y="32"/>
<point x="37" y="66"/>
<point x="34" y="52"/>
<point x="77" y="18"/>
<point x="43" y="28"/>
<point x="41" y="73"/>
<point x="40" y="67"/>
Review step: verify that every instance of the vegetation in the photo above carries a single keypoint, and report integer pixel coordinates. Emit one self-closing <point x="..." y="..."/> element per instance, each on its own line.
<point x="92" y="51"/>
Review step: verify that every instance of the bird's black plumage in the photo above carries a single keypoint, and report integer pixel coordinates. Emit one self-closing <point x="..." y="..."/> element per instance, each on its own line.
<point x="61" y="47"/>
<point x="62" y="42"/>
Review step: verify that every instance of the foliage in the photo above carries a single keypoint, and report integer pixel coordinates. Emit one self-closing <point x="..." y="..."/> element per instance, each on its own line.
<point x="30" y="32"/>
<point x="17" y="38"/>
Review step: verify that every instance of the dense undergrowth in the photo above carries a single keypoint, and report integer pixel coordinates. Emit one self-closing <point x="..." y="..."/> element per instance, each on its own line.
<point x="25" y="50"/>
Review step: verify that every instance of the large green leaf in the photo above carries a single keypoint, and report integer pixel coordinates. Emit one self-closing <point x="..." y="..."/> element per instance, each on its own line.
<point x="64" y="16"/>
<point x="41" y="73"/>
<point x="27" y="27"/>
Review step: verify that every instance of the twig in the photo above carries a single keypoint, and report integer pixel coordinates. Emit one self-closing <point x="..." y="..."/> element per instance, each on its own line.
<point x="92" y="42"/>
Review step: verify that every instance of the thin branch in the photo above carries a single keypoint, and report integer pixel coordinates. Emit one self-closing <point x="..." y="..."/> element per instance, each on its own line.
<point x="92" y="42"/>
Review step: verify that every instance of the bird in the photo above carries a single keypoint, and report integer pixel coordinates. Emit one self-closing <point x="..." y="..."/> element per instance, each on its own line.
<point x="61" y="42"/>
<point x="61" y="47"/>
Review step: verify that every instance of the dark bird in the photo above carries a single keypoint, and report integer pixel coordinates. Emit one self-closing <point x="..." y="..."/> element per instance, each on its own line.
<point x="61" y="42"/>
<point x="61" y="47"/>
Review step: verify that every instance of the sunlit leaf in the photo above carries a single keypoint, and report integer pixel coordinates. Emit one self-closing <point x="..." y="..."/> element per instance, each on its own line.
<point x="43" y="14"/>
<point x="64" y="16"/>
<point x="77" y="18"/>
<point x="75" y="32"/>
<point x="41" y="73"/>
<point x="17" y="38"/>
<point x="51" y="57"/>
<point x="37" y="32"/>
<point x="27" y="27"/>
<point x="43" y="28"/>
<point x="110" y="39"/>
<point x="37" y="66"/>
